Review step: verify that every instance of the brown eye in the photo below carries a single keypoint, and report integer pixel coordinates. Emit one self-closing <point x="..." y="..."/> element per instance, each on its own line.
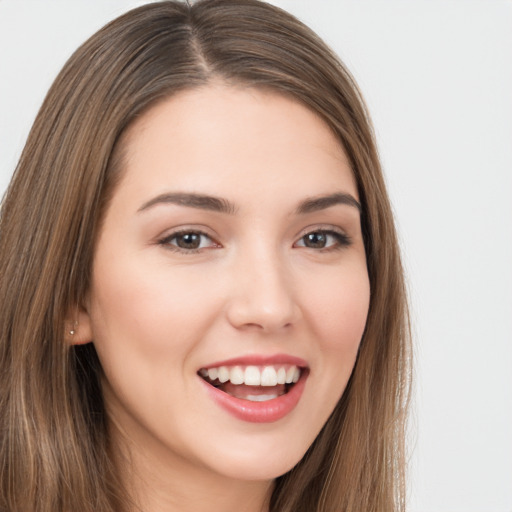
<point x="188" y="241"/>
<point x="315" y="240"/>
<point x="323" y="240"/>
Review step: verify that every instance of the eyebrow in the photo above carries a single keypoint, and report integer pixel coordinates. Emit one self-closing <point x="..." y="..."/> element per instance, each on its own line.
<point x="192" y="200"/>
<point x="323" y="202"/>
<point x="221" y="205"/>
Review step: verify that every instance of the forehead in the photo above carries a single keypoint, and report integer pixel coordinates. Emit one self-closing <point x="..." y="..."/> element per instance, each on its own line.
<point x="244" y="138"/>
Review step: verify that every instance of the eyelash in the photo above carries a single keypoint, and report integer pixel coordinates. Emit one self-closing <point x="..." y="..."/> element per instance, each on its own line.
<point x="341" y="240"/>
<point x="166" y="241"/>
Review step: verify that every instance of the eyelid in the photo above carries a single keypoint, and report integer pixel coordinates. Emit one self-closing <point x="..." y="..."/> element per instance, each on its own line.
<point x="321" y="227"/>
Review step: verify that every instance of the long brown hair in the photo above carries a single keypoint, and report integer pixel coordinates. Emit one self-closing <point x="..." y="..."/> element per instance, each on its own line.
<point x="54" y="444"/>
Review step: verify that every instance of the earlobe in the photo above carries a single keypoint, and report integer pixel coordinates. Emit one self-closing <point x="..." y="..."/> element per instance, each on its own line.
<point x="78" y="329"/>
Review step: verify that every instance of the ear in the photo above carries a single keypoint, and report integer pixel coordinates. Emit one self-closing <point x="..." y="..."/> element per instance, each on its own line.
<point x="78" y="329"/>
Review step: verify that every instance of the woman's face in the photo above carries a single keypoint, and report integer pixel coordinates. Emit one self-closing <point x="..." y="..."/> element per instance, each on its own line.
<point x="231" y="255"/>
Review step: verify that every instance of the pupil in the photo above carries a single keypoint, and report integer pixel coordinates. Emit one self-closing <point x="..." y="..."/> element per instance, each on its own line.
<point x="189" y="241"/>
<point x="316" y="240"/>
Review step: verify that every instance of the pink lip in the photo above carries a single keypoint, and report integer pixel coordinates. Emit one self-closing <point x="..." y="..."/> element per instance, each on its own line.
<point x="260" y="360"/>
<point x="259" y="412"/>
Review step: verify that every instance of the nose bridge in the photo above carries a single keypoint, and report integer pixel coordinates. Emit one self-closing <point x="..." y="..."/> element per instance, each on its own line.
<point x="263" y="294"/>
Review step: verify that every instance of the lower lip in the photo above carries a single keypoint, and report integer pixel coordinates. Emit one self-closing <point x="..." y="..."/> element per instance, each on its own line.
<point x="259" y="412"/>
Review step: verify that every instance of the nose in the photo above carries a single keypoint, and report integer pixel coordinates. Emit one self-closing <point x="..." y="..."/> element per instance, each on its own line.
<point x="263" y="295"/>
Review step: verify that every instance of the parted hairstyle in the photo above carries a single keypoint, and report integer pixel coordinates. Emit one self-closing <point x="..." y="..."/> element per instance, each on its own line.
<point x="55" y="453"/>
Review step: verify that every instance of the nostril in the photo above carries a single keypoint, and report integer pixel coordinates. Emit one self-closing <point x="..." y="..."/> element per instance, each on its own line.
<point x="262" y="296"/>
<point x="265" y="317"/>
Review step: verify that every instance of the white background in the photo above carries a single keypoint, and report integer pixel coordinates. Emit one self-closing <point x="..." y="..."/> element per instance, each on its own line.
<point x="437" y="76"/>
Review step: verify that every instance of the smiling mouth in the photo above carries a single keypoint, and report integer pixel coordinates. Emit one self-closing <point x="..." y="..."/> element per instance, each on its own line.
<point x="253" y="383"/>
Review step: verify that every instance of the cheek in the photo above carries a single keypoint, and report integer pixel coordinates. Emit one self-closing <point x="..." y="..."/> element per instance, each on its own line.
<point x="145" y="304"/>
<point x="338" y="313"/>
<point x="145" y="326"/>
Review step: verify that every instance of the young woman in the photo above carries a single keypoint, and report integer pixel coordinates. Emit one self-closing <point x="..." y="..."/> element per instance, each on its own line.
<point x="202" y="299"/>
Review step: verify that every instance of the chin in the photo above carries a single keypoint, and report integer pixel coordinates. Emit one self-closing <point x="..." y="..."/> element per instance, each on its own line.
<point x="258" y="470"/>
<point x="258" y="461"/>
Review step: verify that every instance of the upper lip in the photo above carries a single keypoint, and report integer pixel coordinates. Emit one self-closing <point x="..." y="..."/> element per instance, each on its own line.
<point x="260" y="360"/>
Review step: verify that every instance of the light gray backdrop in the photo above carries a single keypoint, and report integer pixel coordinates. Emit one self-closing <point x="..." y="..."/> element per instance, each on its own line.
<point x="437" y="75"/>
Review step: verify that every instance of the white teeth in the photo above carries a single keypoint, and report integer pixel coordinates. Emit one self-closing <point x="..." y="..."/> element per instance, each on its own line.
<point x="289" y="375"/>
<point x="260" y="398"/>
<point x="269" y="376"/>
<point x="253" y="375"/>
<point x="223" y="374"/>
<point x="236" y="375"/>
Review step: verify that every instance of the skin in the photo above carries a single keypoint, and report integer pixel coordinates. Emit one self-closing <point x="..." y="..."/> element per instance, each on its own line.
<point x="157" y="313"/>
